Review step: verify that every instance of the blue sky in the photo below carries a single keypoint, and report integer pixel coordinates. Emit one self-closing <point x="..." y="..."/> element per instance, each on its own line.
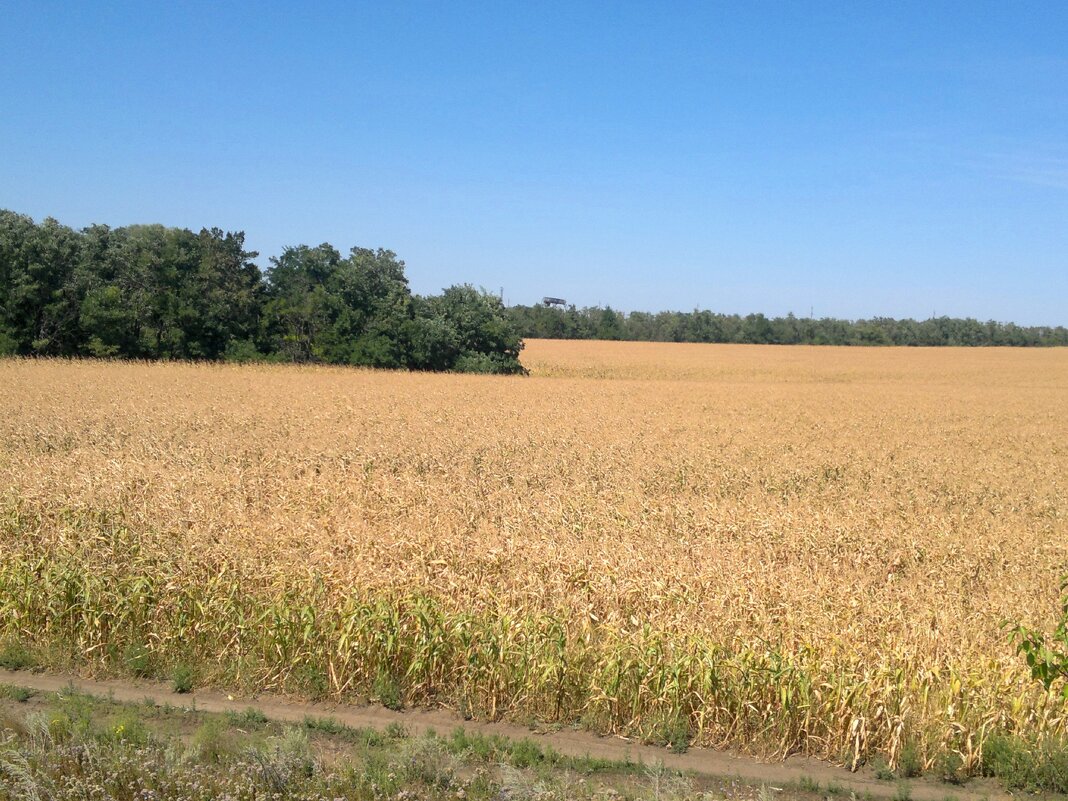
<point x="856" y="158"/>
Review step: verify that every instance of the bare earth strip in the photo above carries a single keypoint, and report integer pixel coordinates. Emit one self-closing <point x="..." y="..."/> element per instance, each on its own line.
<point x="702" y="761"/>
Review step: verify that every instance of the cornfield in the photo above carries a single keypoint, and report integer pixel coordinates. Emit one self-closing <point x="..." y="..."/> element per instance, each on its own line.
<point x="778" y="549"/>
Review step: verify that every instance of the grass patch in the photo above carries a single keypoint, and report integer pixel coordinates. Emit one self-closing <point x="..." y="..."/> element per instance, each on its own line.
<point x="311" y="682"/>
<point x="137" y="658"/>
<point x="882" y="770"/>
<point x="808" y="785"/>
<point x="526" y="753"/>
<point x="14" y="655"/>
<point x="1026" y="765"/>
<point x="949" y="767"/>
<point x="248" y="718"/>
<point x="16" y="693"/>
<point x="669" y="729"/>
<point x="214" y="742"/>
<point x="127" y="728"/>
<point x="675" y="733"/>
<point x="331" y="727"/>
<point x="114" y="746"/>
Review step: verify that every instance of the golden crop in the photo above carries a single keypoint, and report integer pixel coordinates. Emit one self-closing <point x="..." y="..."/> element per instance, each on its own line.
<point x="782" y="549"/>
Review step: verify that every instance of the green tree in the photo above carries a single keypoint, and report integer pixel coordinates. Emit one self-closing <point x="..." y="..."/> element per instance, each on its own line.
<point x="473" y="328"/>
<point x="610" y="324"/>
<point x="219" y="294"/>
<point x="321" y="307"/>
<point x="298" y="307"/>
<point x="126" y="287"/>
<point x="35" y="263"/>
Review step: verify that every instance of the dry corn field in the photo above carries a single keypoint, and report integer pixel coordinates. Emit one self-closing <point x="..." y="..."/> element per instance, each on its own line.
<point x="778" y="549"/>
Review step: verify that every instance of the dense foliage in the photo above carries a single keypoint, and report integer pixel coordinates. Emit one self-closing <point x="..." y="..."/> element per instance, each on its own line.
<point x="705" y="326"/>
<point x="150" y="292"/>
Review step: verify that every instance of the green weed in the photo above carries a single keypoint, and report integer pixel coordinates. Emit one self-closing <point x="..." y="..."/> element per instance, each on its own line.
<point x="182" y="679"/>
<point x="14" y="655"/>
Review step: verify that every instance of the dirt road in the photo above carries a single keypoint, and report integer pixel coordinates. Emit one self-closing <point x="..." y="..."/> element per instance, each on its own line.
<point x="572" y="743"/>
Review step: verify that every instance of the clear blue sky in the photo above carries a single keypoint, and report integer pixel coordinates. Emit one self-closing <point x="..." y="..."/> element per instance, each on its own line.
<point x="856" y="158"/>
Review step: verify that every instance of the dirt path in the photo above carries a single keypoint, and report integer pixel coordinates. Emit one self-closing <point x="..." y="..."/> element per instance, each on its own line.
<point x="709" y="762"/>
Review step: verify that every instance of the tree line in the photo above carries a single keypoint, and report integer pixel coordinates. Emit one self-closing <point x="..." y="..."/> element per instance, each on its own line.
<point x="597" y="322"/>
<point x="153" y="292"/>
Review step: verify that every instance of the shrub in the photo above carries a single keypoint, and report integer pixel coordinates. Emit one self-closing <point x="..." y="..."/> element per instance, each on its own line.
<point x="1022" y="764"/>
<point x="388" y="692"/>
<point x="910" y="763"/>
<point x="182" y="679"/>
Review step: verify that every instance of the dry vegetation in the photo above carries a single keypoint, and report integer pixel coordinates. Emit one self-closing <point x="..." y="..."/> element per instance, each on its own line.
<point x="783" y="549"/>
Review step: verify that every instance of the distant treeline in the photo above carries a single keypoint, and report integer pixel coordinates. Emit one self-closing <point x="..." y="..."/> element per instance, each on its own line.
<point x="150" y="292"/>
<point x="705" y="326"/>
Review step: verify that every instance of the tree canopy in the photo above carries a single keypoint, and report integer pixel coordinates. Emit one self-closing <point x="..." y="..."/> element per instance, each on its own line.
<point x="151" y="292"/>
<point x="705" y="326"/>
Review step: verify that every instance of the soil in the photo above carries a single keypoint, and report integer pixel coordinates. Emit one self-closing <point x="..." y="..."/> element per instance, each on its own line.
<point x="793" y="771"/>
